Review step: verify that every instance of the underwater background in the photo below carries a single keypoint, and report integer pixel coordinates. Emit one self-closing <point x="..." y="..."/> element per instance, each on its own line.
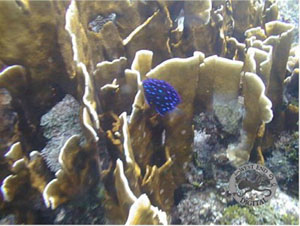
<point x="138" y="112"/>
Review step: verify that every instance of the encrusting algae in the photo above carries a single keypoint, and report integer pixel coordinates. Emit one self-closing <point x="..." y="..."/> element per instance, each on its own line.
<point x="136" y="73"/>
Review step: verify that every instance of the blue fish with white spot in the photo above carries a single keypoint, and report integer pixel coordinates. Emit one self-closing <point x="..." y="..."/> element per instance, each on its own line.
<point x="160" y="95"/>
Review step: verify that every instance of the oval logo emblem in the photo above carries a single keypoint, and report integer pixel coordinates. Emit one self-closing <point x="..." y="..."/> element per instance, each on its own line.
<point x="252" y="185"/>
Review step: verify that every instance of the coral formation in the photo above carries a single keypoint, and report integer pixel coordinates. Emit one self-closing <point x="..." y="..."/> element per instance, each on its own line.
<point x="69" y="182"/>
<point x="196" y="208"/>
<point x="58" y="128"/>
<point x="206" y="207"/>
<point x="237" y="215"/>
<point x="28" y="179"/>
<point x="77" y="125"/>
<point x="284" y="162"/>
<point x="8" y="127"/>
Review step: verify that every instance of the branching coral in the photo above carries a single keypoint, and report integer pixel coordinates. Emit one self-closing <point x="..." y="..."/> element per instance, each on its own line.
<point x="68" y="181"/>
<point x="28" y="180"/>
<point x="266" y="55"/>
<point x="141" y="211"/>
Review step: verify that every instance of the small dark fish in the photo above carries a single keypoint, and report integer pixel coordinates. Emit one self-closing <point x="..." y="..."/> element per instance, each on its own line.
<point x="161" y="95"/>
<point x="97" y="24"/>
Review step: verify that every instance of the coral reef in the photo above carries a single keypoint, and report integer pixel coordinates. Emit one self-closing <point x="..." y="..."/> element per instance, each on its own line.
<point x="80" y="141"/>
<point x="261" y="214"/>
<point x="284" y="162"/>
<point x="58" y="128"/>
<point x="208" y="206"/>
<point x="210" y="172"/>
<point x="205" y="204"/>
<point x="21" y="190"/>
<point x="9" y="118"/>
<point x="88" y="210"/>
<point x="289" y="13"/>
<point x="237" y="215"/>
